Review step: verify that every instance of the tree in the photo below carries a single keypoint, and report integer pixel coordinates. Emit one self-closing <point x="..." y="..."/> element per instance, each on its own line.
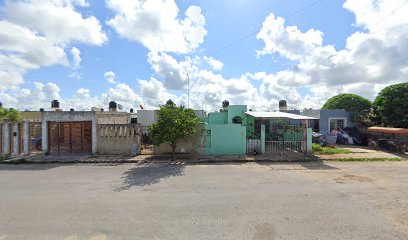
<point x="391" y="106"/>
<point x="11" y="115"/>
<point x="358" y="106"/>
<point x="173" y="123"/>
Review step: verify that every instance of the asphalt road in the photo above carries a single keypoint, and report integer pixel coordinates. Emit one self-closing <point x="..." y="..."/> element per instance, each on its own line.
<point x="232" y="201"/>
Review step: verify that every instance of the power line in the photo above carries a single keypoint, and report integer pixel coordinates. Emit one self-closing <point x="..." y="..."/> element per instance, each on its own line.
<point x="255" y="32"/>
<point x="390" y="13"/>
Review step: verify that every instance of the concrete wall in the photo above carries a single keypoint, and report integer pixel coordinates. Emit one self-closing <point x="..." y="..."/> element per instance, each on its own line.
<point x="217" y="118"/>
<point x="226" y="139"/>
<point x="335" y="113"/>
<point x="123" y="139"/>
<point x="113" y="117"/>
<point x="146" y="117"/>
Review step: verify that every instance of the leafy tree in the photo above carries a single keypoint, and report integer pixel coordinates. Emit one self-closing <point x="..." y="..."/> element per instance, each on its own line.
<point x="358" y="106"/>
<point x="391" y="106"/>
<point x="11" y="115"/>
<point x="173" y="123"/>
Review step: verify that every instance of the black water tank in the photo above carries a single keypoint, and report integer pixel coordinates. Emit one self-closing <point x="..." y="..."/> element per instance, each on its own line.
<point x="41" y="109"/>
<point x="282" y="103"/>
<point x="55" y="104"/>
<point x="225" y="103"/>
<point x="131" y="110"/>
<point x="71" y="110"/>
<point x="113" y="104"/>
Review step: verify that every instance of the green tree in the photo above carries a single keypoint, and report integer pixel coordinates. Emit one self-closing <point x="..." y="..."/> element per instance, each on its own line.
<point x="391" y="106"/>
<point x="173" y="123"/>
<point x="11" y="115"/>
<point x="359" y="107"/>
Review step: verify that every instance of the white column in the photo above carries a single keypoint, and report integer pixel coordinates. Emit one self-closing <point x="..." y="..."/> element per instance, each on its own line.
<point x="44" y="136"/>
<point x="26" y="138"/>
<point x="6" y="138"/>
<point x="16" y="143"/>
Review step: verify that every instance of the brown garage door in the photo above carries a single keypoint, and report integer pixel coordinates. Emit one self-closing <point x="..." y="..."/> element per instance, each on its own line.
<point x="70" y="137"/>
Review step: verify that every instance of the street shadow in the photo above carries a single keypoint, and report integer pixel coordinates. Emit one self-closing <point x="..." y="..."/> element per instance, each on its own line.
<point x="149" y="174"/>
<point x="317" y="165"/>
<point x="27" y="167"/>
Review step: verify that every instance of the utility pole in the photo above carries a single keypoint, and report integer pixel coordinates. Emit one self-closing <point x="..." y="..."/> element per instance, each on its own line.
<point x="188" y="91"/>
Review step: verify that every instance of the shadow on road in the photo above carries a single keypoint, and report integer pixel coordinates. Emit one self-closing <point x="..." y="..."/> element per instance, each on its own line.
<point x="27" y="167"/>
<point x="149" y="174"/>
<point x="317" y="165"/>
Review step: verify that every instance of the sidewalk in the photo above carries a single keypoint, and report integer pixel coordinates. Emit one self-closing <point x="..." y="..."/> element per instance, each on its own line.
<point x="186" y="158"/>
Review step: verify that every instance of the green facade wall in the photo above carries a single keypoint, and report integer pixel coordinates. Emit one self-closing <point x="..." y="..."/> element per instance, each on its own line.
<point x="217" y="118"/>
<point x="225" y="139"/>
<point x="236" y="110"/>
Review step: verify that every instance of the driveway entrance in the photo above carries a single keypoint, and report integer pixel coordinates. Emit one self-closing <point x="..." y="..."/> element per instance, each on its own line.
<point x="70" y="137"/>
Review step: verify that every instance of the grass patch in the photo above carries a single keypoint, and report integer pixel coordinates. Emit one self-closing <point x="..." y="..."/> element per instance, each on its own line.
<point x="317" y="149"/>
<point x="369" y="159"/>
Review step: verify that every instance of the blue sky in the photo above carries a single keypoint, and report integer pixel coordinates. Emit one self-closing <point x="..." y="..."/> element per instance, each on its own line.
<point x="328" y="48"/>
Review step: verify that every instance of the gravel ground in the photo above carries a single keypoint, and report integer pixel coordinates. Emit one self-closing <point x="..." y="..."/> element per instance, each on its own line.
<point x="320" y="200"/>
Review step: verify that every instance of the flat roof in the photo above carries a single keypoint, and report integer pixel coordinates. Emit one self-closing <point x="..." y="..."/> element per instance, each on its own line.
<point x="388" y="130"/>
<point x="279" y="115"/>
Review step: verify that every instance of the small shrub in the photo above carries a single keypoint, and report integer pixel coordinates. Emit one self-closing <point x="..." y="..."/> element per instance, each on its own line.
<point x="316" y="147"/>
<point x="330" y="149"/>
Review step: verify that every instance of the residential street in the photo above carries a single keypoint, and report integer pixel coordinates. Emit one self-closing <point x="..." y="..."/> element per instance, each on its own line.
<point x="330" y="200"/>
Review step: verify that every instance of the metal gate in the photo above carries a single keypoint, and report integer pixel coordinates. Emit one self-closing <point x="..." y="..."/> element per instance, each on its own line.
<point x="147" y="147"/>
<point x="70" y="137"/>
<point x="253" y="146"/>
<point x="272" y="147"/>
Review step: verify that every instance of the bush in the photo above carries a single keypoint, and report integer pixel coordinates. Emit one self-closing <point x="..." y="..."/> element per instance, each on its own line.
<point x="391" y="106"/>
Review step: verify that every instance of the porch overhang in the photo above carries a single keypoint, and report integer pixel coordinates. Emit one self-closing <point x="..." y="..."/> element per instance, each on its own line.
<point x="279" y="115"/>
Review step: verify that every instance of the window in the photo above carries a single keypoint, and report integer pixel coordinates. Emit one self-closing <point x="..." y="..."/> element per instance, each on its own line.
<point x="335" y="123"/>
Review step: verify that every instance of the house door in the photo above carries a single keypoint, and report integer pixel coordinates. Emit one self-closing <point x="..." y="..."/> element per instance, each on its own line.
<point x="70" y="137"/>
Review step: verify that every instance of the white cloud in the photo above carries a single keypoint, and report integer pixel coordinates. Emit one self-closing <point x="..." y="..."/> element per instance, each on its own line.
<point x="35" y="33"/>
<point x="371" y="59"/>
<point x="57" y="20"/>
<point x="76" y="57"/>
<point x="157" y="25"/>
<point x="214" y="63"/>
<point x="110" y="77"/>
<point x="288" y="41"/>
<point x="154" y="93"/>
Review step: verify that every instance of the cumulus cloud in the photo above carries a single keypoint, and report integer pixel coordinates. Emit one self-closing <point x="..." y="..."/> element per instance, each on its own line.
<point x="76" y="57"/>
<point x="35" y="33"/>
<point x="288" y="41"/>
<point x="110" y="77"/>
<point x="57" y="20"/>
<point x="157" y="24"/>
<point x="371" y="59"/>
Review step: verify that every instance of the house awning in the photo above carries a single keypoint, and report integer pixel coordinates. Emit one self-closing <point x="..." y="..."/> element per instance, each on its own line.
<point x="388" y="130"/>
<point x="279" y="115"/>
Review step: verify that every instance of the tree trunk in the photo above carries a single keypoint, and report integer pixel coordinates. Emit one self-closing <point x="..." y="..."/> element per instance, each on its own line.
<point x="173" y="151"/>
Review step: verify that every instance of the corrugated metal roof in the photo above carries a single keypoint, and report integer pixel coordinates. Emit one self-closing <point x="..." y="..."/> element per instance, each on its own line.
<point x="278" y="115"/>
<point x="388" y="130"/>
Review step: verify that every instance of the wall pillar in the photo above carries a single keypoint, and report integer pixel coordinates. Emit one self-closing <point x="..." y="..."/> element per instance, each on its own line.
<point x="16" y="142"/>
<point x="6" y="138"/>
<point x="263" y="139"/>
<point x="94" y="135"/>
<point x="44" y="136"/>
<point x="26" y="138"/>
